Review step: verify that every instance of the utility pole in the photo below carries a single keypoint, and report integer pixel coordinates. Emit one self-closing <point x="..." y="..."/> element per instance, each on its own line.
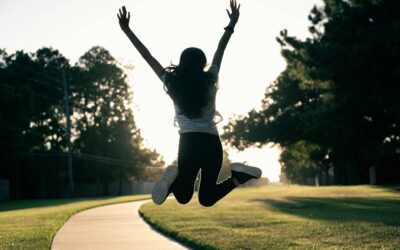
<point x="68" y="134"/>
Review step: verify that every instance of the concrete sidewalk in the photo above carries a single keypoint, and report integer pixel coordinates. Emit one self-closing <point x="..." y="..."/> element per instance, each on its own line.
<point x="116" y="226"/>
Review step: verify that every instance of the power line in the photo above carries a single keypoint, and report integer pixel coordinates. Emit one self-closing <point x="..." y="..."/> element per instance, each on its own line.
<point x="96" y="158"/>
<point x="28" y="77"/>
<point x="35" y="72"/>
<point x="24" y="74"/>
<point x="31" y="92"/>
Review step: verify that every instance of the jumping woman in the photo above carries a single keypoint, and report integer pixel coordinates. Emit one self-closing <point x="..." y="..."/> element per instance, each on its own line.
<point x="193" y="91"/>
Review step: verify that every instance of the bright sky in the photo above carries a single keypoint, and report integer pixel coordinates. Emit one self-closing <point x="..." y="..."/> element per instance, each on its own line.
<point x="251" y="62"/>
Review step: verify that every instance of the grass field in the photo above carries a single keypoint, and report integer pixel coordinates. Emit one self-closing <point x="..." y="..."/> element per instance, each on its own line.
<point x="32" y="224"/>
<point x="282" y="217"/>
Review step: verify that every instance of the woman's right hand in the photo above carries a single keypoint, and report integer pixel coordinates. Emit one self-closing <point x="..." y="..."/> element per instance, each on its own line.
<point x="234" y="14"/>
<point x="123" y="18"/>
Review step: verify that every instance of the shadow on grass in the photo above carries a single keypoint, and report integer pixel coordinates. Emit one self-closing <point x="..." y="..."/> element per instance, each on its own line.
<point x="28" y="204"/>
<point x="346" y="209"/>
<point x="394" y="189"/>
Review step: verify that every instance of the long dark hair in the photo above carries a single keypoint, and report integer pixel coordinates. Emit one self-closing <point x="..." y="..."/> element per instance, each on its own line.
<point x="188" y="84"/>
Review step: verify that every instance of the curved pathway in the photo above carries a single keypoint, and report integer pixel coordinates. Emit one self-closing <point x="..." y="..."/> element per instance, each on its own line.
<point x="117" y="226"/>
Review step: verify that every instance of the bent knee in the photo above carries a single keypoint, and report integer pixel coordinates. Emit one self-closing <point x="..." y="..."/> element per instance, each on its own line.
<point x="183" y="198"/>
<point x="205" y="201"/>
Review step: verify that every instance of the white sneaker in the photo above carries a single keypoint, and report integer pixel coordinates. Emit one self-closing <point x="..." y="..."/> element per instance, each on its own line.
<point x="243" y="173"/>
<point x="160" y="190"/>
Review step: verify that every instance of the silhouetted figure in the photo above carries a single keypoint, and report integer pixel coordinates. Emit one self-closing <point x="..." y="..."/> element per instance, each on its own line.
<point x="193" y="92"/>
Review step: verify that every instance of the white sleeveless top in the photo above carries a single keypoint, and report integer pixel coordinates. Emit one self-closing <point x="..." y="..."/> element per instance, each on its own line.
<point x="207" y="122"/>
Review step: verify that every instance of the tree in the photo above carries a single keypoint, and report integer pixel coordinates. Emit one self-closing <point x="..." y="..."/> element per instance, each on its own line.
<point x="338" y="86"/>
<point x="30" y="107"/>
<point x="107" y="143"/>
<point x="103" y="117"/>
<point x="303" y="160"/>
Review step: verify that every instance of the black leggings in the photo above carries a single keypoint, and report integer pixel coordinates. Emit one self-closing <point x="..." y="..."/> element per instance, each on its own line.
<point x="200" y="151"/>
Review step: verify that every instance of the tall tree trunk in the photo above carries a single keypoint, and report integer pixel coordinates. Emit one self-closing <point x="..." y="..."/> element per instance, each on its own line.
<point x="352" y="173"/>
<point x="17" y="181"/>
<point x="339" y="172"/>
<point x="120" y="181"/>
<point x="105" y="183"/>
<point x="328" y="179"/>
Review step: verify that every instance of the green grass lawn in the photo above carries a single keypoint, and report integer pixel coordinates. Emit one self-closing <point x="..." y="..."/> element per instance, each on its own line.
<point x="32" y="224"/>
<point x="282" y="217"/>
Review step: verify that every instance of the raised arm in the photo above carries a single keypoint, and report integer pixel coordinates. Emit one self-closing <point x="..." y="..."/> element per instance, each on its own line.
<point x="124" y="18"/>
<point x="234" y="17"/>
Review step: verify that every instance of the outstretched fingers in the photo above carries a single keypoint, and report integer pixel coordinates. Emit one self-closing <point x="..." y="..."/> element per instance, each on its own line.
<point x="123" y="14"/>
<point x="234" y="6"/>
<point x="234" y="13"/>
<point x="124" y="17"/>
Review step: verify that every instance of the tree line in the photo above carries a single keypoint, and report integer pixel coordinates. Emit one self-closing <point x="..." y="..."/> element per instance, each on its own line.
<point x="35" y="91"/>
<point x="336" y="105"/>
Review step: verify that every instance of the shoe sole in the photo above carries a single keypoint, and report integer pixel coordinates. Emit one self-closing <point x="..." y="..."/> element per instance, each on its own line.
<point x="160" y="190"/>
<point x="253" y="171"/>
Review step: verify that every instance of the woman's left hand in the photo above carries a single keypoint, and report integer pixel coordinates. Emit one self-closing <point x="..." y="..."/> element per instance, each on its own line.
<point x="234" y="14"/>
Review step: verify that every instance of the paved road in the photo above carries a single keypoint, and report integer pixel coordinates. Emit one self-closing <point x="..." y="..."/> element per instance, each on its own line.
<point x="116" y="227"/>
